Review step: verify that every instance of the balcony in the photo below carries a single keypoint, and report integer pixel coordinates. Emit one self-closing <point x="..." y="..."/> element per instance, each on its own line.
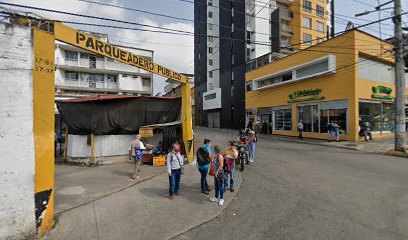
<point x="286" y="2"/>
<point x="263" y="60"/>
<point x="72" y="83"/>
<point x="285" y="14"/>
<point x="286" y="30"/>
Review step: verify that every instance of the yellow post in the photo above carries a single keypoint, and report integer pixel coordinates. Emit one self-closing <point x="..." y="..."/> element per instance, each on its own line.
<point x="92" y="149"/>
<point x="65" y="143"/>
<point x="43" y="101"/>
<point x="187" y="121"/>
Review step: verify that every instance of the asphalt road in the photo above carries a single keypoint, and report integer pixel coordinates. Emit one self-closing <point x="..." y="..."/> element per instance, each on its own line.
<point x="300" y="191"/>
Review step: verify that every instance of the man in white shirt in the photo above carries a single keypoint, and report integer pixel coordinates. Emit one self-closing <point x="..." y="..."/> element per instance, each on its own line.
<point x="174" y="161"/>
<point x="300" y="129"/>
<point x="136" y="153"/>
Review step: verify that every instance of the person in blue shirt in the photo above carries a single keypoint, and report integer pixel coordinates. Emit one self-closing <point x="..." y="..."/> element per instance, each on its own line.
<point x="203" y="169"/>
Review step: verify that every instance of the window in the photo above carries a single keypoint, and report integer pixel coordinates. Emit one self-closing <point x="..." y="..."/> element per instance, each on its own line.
<point x="310" y="118"/>
<point x="307" y="22"/>
<point x="282" y="120"/>
<point x="307" y="6"/>
<point x="210" y="74"/>
<point x="232" y="91"/>
<point x="232" y="59"/>
<point x="71" y="56"/>
<point x="124" y="75"/>
<point x="210" y="86"/>
<point x="109" y="59"/>
<point x="319" y="40"/>
<point x="210" y="14"/>
<point x="210" y="96"/>
<point x="379" y="115"/>
<point x="313" y="69"/>
<point x="249" y="87"/>
<point x="338" y="116"/>
<point x="232" y="76"/>
<point x="146" y="82"/>
<point x="72" y="76"/>
<point x="232" y="11"/>
<point x="210" y="26"/>
<point x="287" y="76"/>
<point x="319" y="11"/>
<point x="319" y="26"/>
<point x="210" y="38"/>
<point x="210" y="50"/>
<point x="307" y="39"/>
<point x="112" y="78"/>
<point x="84" y="55"/>
<point x="210" y="2"/>
<point x="210" y="62"/>
<point x="232" y="27"/>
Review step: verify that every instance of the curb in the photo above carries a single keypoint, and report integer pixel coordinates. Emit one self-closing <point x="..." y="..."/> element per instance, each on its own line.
<point x="313" y="143"/>
<point x="397" y="154"/>
<point x="222" y="209"/>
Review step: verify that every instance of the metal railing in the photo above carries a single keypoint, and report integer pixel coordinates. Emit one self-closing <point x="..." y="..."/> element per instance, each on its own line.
<point x="263" y="60"/>
<point x="88" y="84"/>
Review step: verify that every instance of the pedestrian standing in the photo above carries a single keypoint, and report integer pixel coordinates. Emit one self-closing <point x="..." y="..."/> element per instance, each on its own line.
<point x="366" y="132"/>
<point x="300" y="129"/>
<point x="252" y="139"/>
<point x="174" y="161"/>
<point x="136" y="154"/>
<point x="218" y="176"/>
<point x="333" y="130"/>
<point x="230" y="155"/>
<point x="203" y="163"/>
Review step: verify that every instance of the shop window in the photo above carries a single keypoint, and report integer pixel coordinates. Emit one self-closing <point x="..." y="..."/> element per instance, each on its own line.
<point x="283" y="120"/>
<point x="379" y="115"/>
<point x="338" y="116"/>
<point x="313" y="69"/>
<point x="310" y="118"/>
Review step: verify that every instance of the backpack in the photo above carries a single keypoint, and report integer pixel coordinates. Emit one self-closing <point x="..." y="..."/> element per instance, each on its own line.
<point x="138" y="153"/>
<point x="226" y="167"/>
<point x="330" y="127"/>
<point x="203" y="157"/>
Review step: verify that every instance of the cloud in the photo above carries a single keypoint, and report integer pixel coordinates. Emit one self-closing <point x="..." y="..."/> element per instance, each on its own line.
<point x="173" y="51"/>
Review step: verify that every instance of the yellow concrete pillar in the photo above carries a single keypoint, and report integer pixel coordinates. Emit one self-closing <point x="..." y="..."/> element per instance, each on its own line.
<point x="43" y="101"/>
<point x="92" y="148"/>
<point x="187" y="122"/>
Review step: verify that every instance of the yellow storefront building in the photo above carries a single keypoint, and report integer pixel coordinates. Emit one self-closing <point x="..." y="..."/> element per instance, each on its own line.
<point x="348" y="80"/>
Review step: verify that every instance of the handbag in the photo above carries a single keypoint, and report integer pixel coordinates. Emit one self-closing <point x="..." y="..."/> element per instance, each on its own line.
<point x="211" y="172"/>
<point x="181" y="166"/>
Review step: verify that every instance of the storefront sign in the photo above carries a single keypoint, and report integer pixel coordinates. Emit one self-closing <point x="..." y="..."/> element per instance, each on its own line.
<point x="159" y="161"/>
<point x="305" y="95"/>
<point x="381" y="92"/>
<point x="146" y="132"/>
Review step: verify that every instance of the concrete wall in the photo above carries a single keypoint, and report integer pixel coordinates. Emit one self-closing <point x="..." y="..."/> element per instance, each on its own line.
<point x="17" y="217"/>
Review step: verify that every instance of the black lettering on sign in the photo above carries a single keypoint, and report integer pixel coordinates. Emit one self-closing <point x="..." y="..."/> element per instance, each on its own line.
<point x="135" y="60"/>
<point x="108" y="49"/>
<point x="80" y="37"/>
<point x="151" y="65"/>
<point x="99" y="46"/>
<point x="122" y="55"/>
<point x="160" y="69"/>
<point x="90" y="43"/>
<point x="115" y="52"/>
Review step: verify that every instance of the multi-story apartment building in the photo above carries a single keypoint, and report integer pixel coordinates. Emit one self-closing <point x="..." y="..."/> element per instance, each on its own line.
<point x="80" y="73"/>
<point x="230" y="33"/>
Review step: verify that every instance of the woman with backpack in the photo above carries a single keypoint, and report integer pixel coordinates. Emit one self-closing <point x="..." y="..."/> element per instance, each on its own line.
<point x="218" y="176"/>
<point x="231" y="153"/>
<point x="203" y="163"/>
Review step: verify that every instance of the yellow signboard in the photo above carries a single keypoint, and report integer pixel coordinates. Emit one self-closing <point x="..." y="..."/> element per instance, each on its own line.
<point x="146" y="132"/>
<point x="159" y="161"/>
<point x="90" y="43"/>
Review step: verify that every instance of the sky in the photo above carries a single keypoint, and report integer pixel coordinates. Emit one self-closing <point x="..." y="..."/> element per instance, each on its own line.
<point x="174" y="51"/>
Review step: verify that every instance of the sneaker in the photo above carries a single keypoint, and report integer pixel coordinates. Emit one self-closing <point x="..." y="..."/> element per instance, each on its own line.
<point x="221" y="202"/>
<point x="205" y="192"/>
<point x="172" y="197"/>
<point x="137" y="177"/>
<point x="208" y="189"/>
<point x="177" y="193"/>
<point x="214" y="199"/>
<point x="232" y="190"/>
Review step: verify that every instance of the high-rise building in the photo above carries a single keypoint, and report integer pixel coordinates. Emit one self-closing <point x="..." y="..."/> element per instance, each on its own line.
<point x="228" y="34"/>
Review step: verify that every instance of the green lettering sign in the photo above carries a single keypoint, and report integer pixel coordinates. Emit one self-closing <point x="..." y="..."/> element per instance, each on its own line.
<point x="379" y="91"/>
<point x="298" y="95"/>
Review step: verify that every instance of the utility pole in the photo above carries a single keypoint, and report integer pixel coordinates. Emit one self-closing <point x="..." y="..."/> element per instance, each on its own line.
<point x="400" y="128"/>
<point x="332" y="19"/>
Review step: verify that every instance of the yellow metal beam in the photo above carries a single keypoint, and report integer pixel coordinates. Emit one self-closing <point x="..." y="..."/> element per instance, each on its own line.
<point x="65" y="143"/>
<point x="92" y="148"/>
<point x="92" y="44"/>
<point x="43" y="101"/>
<point x="187" y="122"/>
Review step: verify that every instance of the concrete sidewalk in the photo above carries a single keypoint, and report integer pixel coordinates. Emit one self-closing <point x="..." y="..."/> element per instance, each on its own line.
<point x="142" y="211"/>
<point x="380" y="146"/>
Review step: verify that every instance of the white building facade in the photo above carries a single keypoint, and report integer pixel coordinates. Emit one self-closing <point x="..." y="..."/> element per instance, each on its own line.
<point x="81" y="73"/>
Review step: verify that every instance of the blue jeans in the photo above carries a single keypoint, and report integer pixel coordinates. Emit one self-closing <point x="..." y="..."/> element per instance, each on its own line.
<point x="219" y="187"/>
<point x="174" y="181"/>
<point x="336" y="133"/>
<point x="232" y="179"/>
<point x="204" y="172"/>
<point x="251" y="149"/>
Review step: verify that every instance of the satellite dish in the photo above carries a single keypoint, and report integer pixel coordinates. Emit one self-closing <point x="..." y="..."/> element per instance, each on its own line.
<point x="350" y="26"/>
